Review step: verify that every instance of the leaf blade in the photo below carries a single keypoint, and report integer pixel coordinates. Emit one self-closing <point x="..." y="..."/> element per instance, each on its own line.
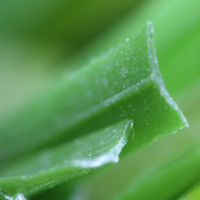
<point x="125" y="83"/>
<point x="52" y="166"/>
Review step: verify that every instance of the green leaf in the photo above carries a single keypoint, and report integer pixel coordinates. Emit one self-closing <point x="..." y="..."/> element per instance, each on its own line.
<point x="52" y="166"/>
<point x="37" y="36"/>
<point x="124" y="83"/>
<point x="177" y="39"/>
<point x="167" y="169"/>
<point x="181" y="172"/>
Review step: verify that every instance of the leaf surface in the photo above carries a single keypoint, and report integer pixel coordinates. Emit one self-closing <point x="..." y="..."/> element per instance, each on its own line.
<point x="124" y="83"/>
<point x="166" y="169"/>
<point x="52" y="166"/>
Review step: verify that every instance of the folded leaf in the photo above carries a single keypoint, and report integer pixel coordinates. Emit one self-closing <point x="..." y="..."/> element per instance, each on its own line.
<point x="124" y="83"/>
<point x="52" y="166"/>
<point x="181" y="171"/>
<point x="166" y="169"/>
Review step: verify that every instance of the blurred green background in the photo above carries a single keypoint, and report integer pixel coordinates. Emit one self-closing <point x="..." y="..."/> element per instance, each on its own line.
<point x="43" y="40"/>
